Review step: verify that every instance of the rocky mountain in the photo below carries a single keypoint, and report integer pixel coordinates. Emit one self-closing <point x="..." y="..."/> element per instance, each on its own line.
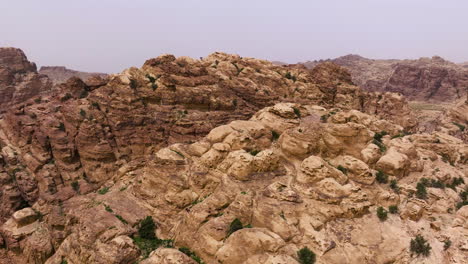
<point x="228" y="160"/>
<point x="19" y="79"/>
<point x="426" y="79"/>
<point x="60" y="74"/>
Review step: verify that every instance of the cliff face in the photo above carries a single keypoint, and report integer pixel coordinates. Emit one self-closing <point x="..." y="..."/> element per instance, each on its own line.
<point x="427" y="79"/>
<point x="19" y="79"/>
<point x="196" y="144"/>
<point x="60" y="74"/>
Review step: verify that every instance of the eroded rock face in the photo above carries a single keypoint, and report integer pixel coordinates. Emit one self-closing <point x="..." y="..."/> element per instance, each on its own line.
<point x="425" y="79"/>
<point x="302" y="186"/>
<point x="19" y="80"/>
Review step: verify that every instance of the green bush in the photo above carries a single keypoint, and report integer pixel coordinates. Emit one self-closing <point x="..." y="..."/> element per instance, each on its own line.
<point x="420" y="246"/>
<point x="421" y="192"/>
<point x="306" y="256"/>
<point x="83" y="94"/>
<point x="275" y="135"/>
<point x="75" y="185"/>
<point x="447" y="244"/>
<point x="254" y="152"/>
<point x="382" y="213"/>
<point x="148" y="245"/>
<point x="460" y="126"/>
<point x="235" y="225"/>
<point x="381" y="177"/>
<point x="297" y="112"/>
<point x="103" y="190"/>
<point x="82" y="113"/>
<point x="61" y="127"/>
<point x="393" y="209"/>
<point x="381" y="145"/>
<point x="147" y="227"/>
<point x="342" y="169"/>
<point x="66" y="97"/>
<point x="378" y="136"/>
<point x="121" y="219"/>
<point x="191" y="254"/>
<point x="394" y="186"/>
<point x="133" y="84"/>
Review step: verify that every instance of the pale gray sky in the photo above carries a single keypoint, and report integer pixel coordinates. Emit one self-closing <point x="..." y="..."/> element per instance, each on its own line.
<point x="110" y="35"/>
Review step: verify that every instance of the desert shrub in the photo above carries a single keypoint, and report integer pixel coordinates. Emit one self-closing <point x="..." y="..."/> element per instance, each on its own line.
<point x="464" y="199"/>
<point x="394" y="186"/>
<point x="437" y="184"/>
<point x="382" y="213"/>
<point x="191" y="254"/>
<point x="150" y="78"/>
<point x="147" y="227"/>
<point x="103" y="190"/>
<point x="306" y="256"/>
<point x="381" y="177"/>
<point x="154" y="86"/>
<point x="297" y="112"/>
<point x="66" y="97"/>
<point x="342" y="169"/>
<point x="379" y="144"/>
<point x="421" y="191"/>
<point x="234" y="102"/>
<point x="254" y="152"/>
<point x="108" y="208"/>
<point x="75" y="185"/>
<point x="38" y="100"/>
<point x="235" y="225"/>
<point x="121" y="219"/>
<point x="290" y="76"/>
<point x="82" y="113"/>
<point x="378" y="136"/>
<point x="460" y="126"/>
<point x="324" y="118"/>
<point x="83" y="94"/>
<point x="393" y="209"/>
<point x="275" y="135"/>
<point x="420" y="246"/>
<point x="146" y="246"/>
<point x="456" y="182"/>
<point x="447" y="244"/>
<point x="61" y="127"/>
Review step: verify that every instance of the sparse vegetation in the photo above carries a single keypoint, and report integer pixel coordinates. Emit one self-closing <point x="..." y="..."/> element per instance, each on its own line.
<point x="38" y="100"/>
<point x="148" y="245"/>
<point x="455" y="182"/>
<point x="421" y="191"/>
<point x="447" y="244"/>
<point x="381" y="145"/>
<point x="61" y="127"/>
<point x="76" y="186"/>
<point x="82" y="113"/>
<point x="191" y="254"/>
<point x="382" y="213"/>
<point x="121" y="219"/>
<point x="420" y="246"/>
<point x="108" y="208"/>
<point x="381" y="177"/>
<point x="342" y="169"/>
<point x="289" y="76"/>
<point x="66" y="97"/>
<point x="133" y="84"/>
<point x="83" y="94"/>
<point x="297" y="112"/>
<point x="378" y="136"/>
<point x="393" y="209"/>
<point x="146" y="228"/>
<point x="254" y="152"/>
<point x="274" y="135"/>
<point x="306" y="256"/>
<point x="103" y="190"/>
<point x="460" y="126"/>
<point x="235" y="225"/>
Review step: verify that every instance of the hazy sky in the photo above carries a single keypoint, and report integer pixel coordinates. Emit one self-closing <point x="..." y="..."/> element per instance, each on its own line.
<point x="110" y="35"/>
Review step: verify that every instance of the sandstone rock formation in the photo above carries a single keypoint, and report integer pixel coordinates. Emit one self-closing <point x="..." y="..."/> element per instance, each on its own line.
<point x="304" y="185"/>
<point x="297" y="156"/>
<point x="60" y="74"/>
<point x="425" y="79"/>
<point x="19" y="79"/>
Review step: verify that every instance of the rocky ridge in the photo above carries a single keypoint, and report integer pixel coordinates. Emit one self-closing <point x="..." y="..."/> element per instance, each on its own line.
<point x="426" y="79"/>
<point x="60" y="74"/>
<point x="19" y="79"/>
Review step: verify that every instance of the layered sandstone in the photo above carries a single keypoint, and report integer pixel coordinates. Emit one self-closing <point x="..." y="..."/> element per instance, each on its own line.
<point x="19" y="79"/>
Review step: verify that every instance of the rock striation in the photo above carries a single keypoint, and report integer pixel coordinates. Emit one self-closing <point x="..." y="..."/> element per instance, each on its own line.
<point x="19" y="79"/>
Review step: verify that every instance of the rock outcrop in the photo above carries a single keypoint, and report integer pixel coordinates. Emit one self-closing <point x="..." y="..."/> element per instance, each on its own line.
<point x="426" y="79"/>
<point x="19" y="80"/>
<point x="60" y="74"/>
<point x="288" y="181"/>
